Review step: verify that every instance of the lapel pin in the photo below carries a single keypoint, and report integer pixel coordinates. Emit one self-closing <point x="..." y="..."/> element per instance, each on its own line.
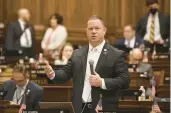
<point x="105" y="51"/>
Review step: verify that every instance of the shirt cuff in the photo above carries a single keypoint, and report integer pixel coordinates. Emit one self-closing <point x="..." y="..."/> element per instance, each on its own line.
<point x="103" y="85"/>
<point x="51" y="76"/>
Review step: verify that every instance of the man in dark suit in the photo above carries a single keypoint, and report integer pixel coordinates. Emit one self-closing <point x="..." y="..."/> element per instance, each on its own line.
<point x="110" y="76"/>
<point x="22" y="91"/>
<point x="154" y="27"/>
<point x="20" y="37"/>
<point x="131" y="40"/>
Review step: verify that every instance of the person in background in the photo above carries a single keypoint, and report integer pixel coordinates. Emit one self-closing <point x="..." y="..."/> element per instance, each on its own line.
<point x="20" y="37"/>
<point x="65" y="54"/>
<point x="136" y="57"/>
<point x="145" y="69"/>
<point x="20" y="85"/>
<point x="55" y="35"/>
<point x="131" y="40"/>
<point x="154" y="27"/>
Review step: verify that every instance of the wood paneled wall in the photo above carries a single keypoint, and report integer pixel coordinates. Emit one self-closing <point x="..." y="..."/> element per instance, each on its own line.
<point x="116" y="13"/>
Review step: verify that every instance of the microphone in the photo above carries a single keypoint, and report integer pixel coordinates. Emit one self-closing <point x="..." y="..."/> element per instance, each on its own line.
<point x="91" y="62"/>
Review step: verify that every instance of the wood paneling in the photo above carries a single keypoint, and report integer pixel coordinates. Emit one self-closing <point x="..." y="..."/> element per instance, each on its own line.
<point x="116" y="13"/>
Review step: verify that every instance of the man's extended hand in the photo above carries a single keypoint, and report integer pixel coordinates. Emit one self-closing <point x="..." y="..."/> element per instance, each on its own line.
<point x="95" y="80"/>
<point x="49" y="71"/>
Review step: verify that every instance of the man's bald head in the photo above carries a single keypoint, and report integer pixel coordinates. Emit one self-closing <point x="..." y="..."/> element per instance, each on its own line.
<point x="137" y="54"/>
<point x="24" y="14"/>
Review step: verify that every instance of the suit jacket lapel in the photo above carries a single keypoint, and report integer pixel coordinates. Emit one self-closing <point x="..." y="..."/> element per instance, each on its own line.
<point x="84" y="61"/>
<point x="160" y="20"/>
<point x="102" y="57"/>
<point x="136" y="44"/>
<point x="23" y="99"/>
<point x="19" y="27"/>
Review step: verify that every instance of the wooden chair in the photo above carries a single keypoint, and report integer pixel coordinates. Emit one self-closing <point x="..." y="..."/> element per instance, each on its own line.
<point x="159" y="77"/>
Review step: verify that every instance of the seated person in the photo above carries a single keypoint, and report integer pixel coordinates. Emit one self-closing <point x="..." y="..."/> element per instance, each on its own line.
<point x="154" y="27"/>
<point x="65" y="54"/>
<point x="145" y="69"/>
<point x="136" y="57"/>
<point x="131" y="40"/>
<point x="20" y="85"/>
<point x="55" y="35"/>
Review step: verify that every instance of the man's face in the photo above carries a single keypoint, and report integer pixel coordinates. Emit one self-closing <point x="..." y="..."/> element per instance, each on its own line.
<point x="27" y="16"/>
<point x="155" y="5"/>
<point x="95" y="31"/>
<point x="128" y="32"/>
<point x="19" y="79"/>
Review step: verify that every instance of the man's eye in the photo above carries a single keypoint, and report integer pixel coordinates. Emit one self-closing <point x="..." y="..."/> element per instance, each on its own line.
<point x="90" y="28"/>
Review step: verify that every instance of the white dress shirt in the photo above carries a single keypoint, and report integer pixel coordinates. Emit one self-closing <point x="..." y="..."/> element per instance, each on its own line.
<point x="157" y="35"/>
<point x="26" y="36"/>
<point x="132" y="42"/>
<point x="93" y="54"/>
<point x="22" y="92"/>
<point x="57" y="38"/>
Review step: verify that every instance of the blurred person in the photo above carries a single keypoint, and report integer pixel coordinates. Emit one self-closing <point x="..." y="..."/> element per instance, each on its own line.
<point x="109" y="76"/>
<point x="131" y="40"/>
<point x="55" y="35"/>
<point x="154" y="27"/>
<point x="65" y="54"/>
<point x="20" y="37"/>
<point x="145" y="70"/>
<point x="20" y="85"/>
<point x="136" y="58"/>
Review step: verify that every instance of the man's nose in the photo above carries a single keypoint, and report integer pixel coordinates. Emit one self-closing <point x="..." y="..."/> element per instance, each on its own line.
<point x="93" y="31"/>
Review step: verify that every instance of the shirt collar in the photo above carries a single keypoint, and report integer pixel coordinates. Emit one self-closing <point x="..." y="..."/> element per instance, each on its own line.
<point x="99" y="47"/>
<point x="155" y="15"/>
<point x="133" y="39"/>
<point x="21" y="22"/>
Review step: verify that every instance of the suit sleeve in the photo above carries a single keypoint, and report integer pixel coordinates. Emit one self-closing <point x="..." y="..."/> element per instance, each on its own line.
<point x="65" y="74"/>
<point x="33" y="43"/>
<point x="122" y="79"/>
<point x="39" y="98"/>
<point x="9" y="41"/>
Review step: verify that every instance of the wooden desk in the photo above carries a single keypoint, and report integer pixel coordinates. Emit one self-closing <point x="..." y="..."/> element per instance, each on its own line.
<point x="57" y="93"/>
<point x="5" y="107"/>
<point x="137" y="81"/>
<point x="141" y="106"/>
<point x="163" y="91"/>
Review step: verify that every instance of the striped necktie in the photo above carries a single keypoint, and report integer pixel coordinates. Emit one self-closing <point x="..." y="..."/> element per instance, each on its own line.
<point x="151" y="39"/>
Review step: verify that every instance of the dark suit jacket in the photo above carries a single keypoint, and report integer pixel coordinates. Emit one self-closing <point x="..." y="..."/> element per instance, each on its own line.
<point x="111" y="66"/>
<point x="145" y="67"/>
<point x="12" y="40"/>
<point x="164" y="22"/>
<point x="138" y="42"/>
<point x="34" y="97"/>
